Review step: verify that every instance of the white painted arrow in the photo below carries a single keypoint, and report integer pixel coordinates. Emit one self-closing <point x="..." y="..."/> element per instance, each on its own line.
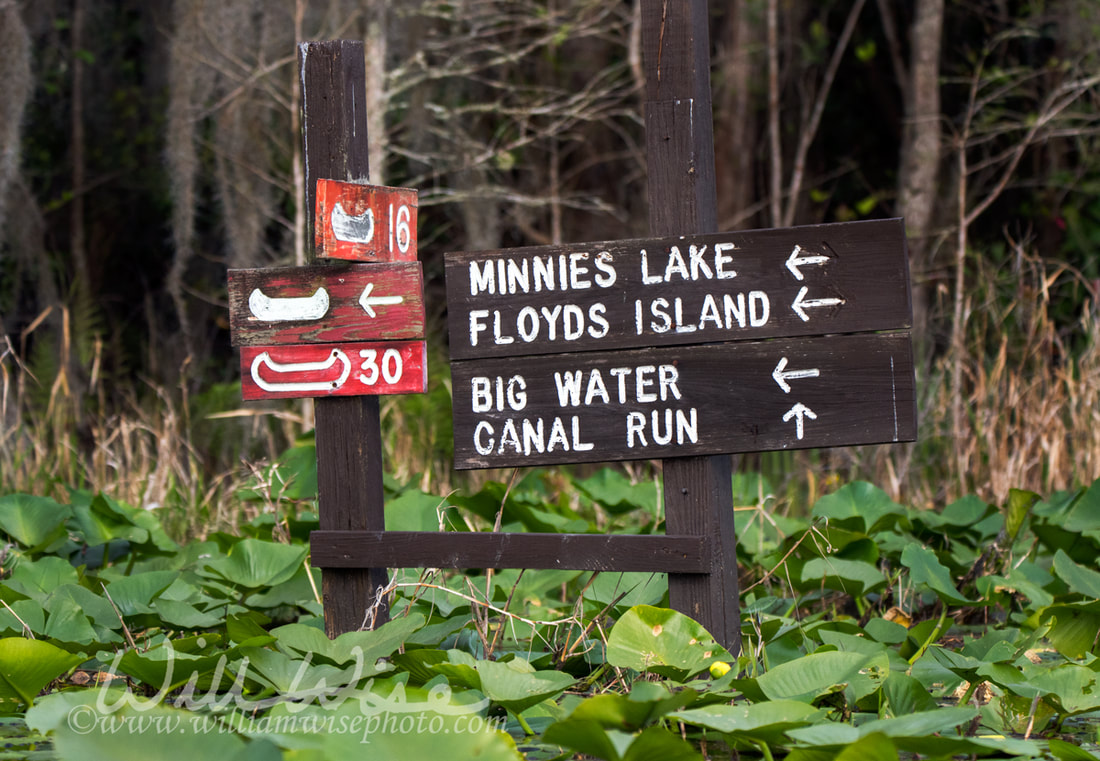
<point x="799" y="412"/>
<point x="794" y="261"/>
<point x="368" y="302"/>
<point x="288" y="309"/>
<point x="782" y="375"/>
<point x="801" y="303"/>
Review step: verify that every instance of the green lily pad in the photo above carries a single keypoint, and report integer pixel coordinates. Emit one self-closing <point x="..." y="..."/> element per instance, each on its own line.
<point x="28" y="665"/>
<point x="252" y="563"/>
<point x="662" y="641"/>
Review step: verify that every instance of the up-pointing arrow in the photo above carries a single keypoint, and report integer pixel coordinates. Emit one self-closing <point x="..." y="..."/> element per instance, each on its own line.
<point x="799" y="412"/>
<point x="794" y="261"/>
<point x="801" y="303"/>
<point x="368" y="302"/>
<point x="781" y="375"/>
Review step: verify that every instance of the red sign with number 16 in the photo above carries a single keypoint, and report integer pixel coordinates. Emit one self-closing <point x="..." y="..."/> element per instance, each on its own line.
<point x="365" y="223"/>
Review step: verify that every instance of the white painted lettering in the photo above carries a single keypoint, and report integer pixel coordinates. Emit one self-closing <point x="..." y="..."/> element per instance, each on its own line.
<point x="572" y="322"/>
<point x="648" y="279"/>
<point x="578" y="445"/>
<point x="657" y="309"/>
<point x="710" y="313"/>
<point x="551" y="317"/>
<point x="483" y="280"/>
<point x="558" y="436"/>
<point x="659" y="438"/>
<point x="578" y="272"/>
<point x="735" y="310"/>
<point x="676" y="265"/>
<point x="606" y="276"/>
<point x="510" y="437"/>
<point x="481" y="395"/>
<point x="499" y="337"/>
<point x="569" y="388"/>
<point x="696" y="254"/>
<point x="483" y="448"/>
<point x="543" y="273"/>
<point x="687" y="428"/>
<point x="759" y="308"/>
<point x="668" y="375"/>
<point x="643" y="381"/>
<point x="600" y="327"/>
<point x="518" y="278"/>
<point x="620" y="373"/>
<point x="595" y="388"/>
<point x="635" y="426"/>
<point x="527" y="322"/>
<point x="680" y="326"/>
<point x="721" y="260"/>
<point x="476" y="324"/>
<point x="533" y="436"/>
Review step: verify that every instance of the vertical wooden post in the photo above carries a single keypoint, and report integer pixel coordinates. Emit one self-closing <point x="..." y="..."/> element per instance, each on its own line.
<point x="349" y="436"/>
<point x="682" y="200"/>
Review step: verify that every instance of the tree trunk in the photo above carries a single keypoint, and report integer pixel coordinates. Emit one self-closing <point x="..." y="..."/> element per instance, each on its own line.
<point x="735" y="121"/>
<point x="920" y="154"/>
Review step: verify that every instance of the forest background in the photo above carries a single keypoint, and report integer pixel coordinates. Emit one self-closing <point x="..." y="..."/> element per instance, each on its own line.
<point x="146" y="146"/>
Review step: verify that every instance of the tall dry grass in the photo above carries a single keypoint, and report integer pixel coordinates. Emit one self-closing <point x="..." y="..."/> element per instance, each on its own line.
<point x="1029" y="377"/>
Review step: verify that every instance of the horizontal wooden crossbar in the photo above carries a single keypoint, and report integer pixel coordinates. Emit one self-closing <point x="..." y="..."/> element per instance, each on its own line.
<point x="578" y="552"/>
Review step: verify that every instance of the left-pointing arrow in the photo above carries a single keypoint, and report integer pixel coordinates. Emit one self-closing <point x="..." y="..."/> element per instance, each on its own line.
<point x="799" y="412"/>
<point x="289" y="309"/>
<point x="368" y="302"/>
<point x="801" y="303"/>
<point x="796" y="260"/>
<point x="781" y="375"/>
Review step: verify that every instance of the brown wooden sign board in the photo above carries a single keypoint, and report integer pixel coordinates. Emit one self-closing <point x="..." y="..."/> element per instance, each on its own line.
<point x="326" y="304"/>
<point x="813" y="280"/>
<point x="674" y="401"/>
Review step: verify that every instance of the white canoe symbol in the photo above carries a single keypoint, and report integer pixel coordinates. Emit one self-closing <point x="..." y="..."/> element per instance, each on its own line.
<point x="351" y="229"/>
<point x="289" y="309"/>
<point x="301" y="367"/>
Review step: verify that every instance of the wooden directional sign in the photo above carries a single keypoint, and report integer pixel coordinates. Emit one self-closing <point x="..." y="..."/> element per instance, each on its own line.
<point x="813" y="280"/>
<point x="667" y="402"/>
<point x="367" y="223"/>
<point x="326" y="304"/>
<point x="347" y="369"/>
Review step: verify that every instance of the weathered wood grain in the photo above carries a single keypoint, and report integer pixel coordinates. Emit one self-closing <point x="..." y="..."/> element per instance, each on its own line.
<point x="349" y="435"/>
<point x="348" y="290"/>
<point x="682" y="200"/>
<point x="582" y="552"/>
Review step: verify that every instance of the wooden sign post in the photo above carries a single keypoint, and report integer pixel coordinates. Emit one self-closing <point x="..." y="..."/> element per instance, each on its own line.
<point x="687" y="347"/>
<point x="346" y="330"/>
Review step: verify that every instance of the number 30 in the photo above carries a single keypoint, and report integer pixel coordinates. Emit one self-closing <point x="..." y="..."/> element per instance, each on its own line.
<point x="390" y="370"/>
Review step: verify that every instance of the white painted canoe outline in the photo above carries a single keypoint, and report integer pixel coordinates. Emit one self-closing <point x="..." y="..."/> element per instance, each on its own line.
<point x="292" y="309"/>
<point x="352" y="229"/>
<point x="301" y="367"/>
